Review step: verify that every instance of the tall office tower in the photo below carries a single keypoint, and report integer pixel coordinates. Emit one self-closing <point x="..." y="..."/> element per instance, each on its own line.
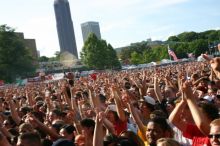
<point x="90" y="27"/>
<point x="65" y="27"/>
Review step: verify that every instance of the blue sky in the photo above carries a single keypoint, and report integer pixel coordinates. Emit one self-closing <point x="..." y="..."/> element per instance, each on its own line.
<point x="121" y="21"/>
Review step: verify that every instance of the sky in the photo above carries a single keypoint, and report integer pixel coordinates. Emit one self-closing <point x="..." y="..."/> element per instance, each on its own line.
<point x="121" y="21"/>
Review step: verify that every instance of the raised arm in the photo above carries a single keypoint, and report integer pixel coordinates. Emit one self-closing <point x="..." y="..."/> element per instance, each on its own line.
<point x="200" y="119"/>
<point x="98" y="132"/>
<point x="43" y="127"/>
<point x="157" y="90"/>
<point x="14" y="113"/>
<point x="175" y="115"/>
<point x="137" y="119"/>
<point x="119" y="108"/>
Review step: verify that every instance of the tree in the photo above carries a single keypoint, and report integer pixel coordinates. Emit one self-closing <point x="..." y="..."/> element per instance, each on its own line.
<point x="98" y="54"/>
<point x="43" y="59"/>
<point x="173" y="38"/>
<point x="188" y="36"/>
<point x="139" y="48"/>
<point x="15" y="60"/>
<point x="136" y="58"/>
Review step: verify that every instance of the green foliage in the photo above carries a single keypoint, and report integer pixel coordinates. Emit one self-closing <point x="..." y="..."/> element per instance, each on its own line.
<point x="199" y="46"/>
<point x="98" y="54"/>
<point x="43" y="59"/>
<point x="186" y="42"/>
<point x="136" y="58"/>
<point x="188" y="36"/>
<point x="173" y="38"/>
<point x="15" y="60"/>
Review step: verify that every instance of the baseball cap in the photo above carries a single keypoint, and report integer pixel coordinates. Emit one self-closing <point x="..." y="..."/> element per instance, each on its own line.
<point x="208" y="98"/>
<point x="149" y="100"/>
<point x="112" y="107"/>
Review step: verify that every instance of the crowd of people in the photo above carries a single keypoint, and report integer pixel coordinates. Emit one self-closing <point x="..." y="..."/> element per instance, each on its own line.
<point x="173" y="105"/>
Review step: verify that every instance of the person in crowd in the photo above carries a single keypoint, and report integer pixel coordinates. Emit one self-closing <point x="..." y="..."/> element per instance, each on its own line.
<point x="173" y="102"/>
<point x="214" y="134"/>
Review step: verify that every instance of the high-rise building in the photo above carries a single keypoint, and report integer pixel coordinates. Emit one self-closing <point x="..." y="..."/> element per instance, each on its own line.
<point x="90" y="27"/>
<point x="65" y="27"/>
<point x="30" y="44"/>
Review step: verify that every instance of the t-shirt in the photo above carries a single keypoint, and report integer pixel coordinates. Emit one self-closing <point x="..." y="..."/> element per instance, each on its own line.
<point x="120" y="126"/>
<point x="193" y="132"/>
<point x="141" y="135"/>
<point x="178" y="136"/>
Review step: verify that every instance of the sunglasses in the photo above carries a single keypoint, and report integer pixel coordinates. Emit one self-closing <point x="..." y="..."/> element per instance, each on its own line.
<point x="214" y="136"/>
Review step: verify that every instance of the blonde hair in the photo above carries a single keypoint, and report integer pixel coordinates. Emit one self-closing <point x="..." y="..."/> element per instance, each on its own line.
<point x="215" y="122"/>
<point x="167" y="142"/>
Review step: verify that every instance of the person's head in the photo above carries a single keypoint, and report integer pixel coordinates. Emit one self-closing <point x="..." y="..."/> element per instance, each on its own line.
<point x="132" y="136"/>
<point x="157" y="128"/>
<point x="54" y="114"/>
<point x="29" y="139"/>
<point x="80" y="140"/>
<point x="67" y="131"/>
<point x="146" y="105"/>
<point x="167" y="142"/>
<point x="170" y="105"/>
<point x="25" y="128"/>
<point x="57" y="125"/>
<point x="112" y="115"/>
<point x="210" y="110"/>
<point x="63" y="142"/>
<point x="194" y="77"/>
<point x="158" y="113"/>
<point x="169" y="93"/>
<point x="87" y="110"/>
<point x="88" y="126"/>
<point x="214" y="134"/>
<point x="110" y="140"/>
<point x="151" y="92"/>
<point x="215" y="63"/>
<point x="122" y="141"/>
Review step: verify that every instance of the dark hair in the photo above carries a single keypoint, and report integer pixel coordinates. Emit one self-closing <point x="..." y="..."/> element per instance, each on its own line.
<point x="102" y="98"/>
<point x="57" y="112"/>
<point x="132" y="136"/>
<point x="71" y="82"/>
<point x="210" y="109"/>
<point x="69" y="128"/>
<point x="47" y="142"/>
<point x="110" y="138"/>
<point x="125" y="142"/>
<point x="85" y="93"/>
<point x="116" y="117"/>
<point x="87" y="123"/>
<point x="161" y="122"/>
<point x="149" y="106"/>
<point x="57" y="125"/>
<point x="25" y="110"/>
<point x="32" y="137"/>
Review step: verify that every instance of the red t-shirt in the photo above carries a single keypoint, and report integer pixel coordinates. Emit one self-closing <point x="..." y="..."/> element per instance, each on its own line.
<point x="193" y="132"/>
<point x="120" y="126"/>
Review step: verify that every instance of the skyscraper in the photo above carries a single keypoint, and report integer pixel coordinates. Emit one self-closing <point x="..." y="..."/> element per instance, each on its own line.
<point x="65" y="27"/>
<point x="90" y="27"/>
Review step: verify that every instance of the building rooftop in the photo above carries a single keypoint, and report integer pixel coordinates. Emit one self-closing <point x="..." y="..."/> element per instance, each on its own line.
<point x="60" y="1"/>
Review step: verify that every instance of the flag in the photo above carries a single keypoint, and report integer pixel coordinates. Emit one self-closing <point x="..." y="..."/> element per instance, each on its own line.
<point x="171" y="53"/>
